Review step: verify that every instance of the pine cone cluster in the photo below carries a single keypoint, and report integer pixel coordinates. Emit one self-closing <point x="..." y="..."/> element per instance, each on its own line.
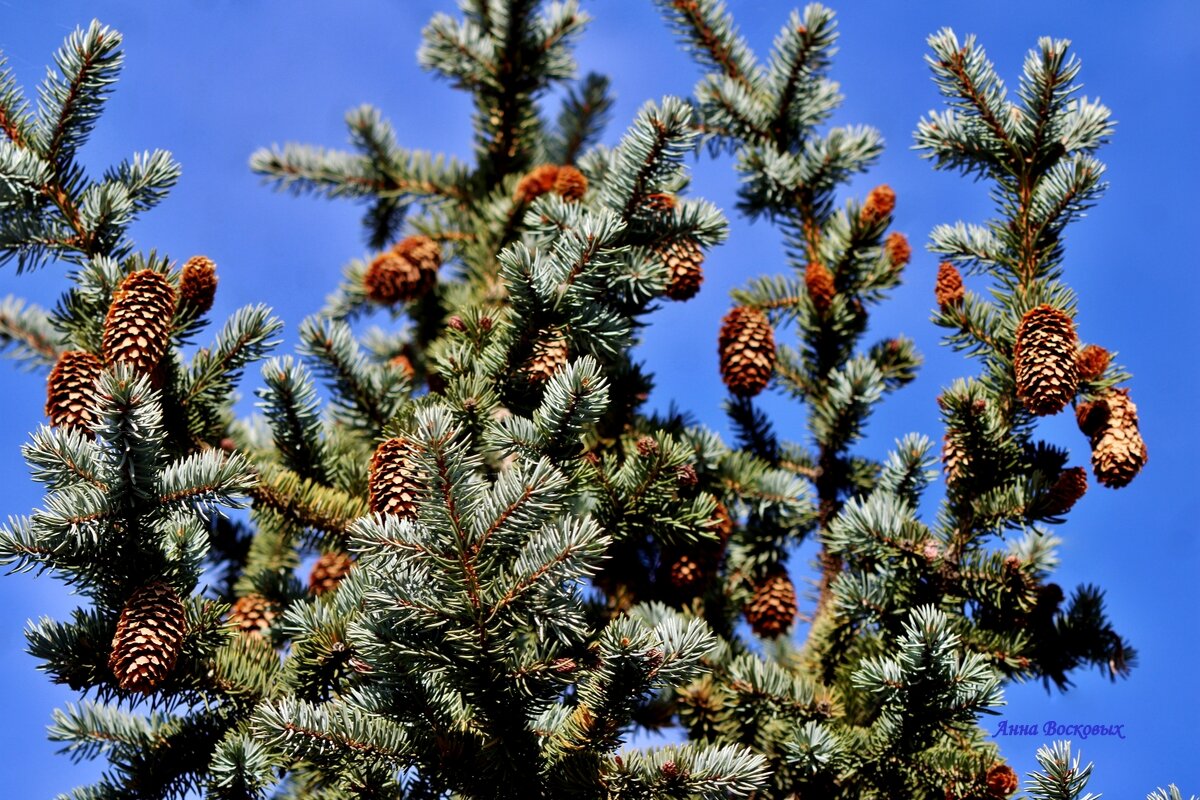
<point x="71" y="390"/>
<point x="821" y="289"/>
<point x="949" y="290"/>
<point x="394" y="485"/>
<point x="772" y="609"/>
<point x="566" y="181"/>
<point x="328" y="572"/>
<point x="1068" y="487"/>
<point x="149" y="637"/>
<point x="406" y="272"/>
<point x="1044" y="360"/>
<point x="747" y="350"/>
<point x="253" y="615"/>
<point x="881" y="202"/>
<point x="138" y="326"/>
<point x="550" y="354"/>
<point x="898" y="250"/>
<point x="1091" y="363"/>
<point x="198" y="284"/>
<point x="683" y="260"/>
<point x="1118" y="450"/>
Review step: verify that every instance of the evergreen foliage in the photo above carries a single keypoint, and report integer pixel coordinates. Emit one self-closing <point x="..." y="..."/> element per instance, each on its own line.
<point x="519" y="565"/>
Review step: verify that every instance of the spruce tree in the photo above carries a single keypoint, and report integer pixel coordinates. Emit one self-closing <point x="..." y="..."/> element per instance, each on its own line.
<point x="516" y="564"/>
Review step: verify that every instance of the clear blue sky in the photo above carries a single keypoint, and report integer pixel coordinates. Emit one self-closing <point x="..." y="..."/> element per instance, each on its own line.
<point x="211" y="81"/>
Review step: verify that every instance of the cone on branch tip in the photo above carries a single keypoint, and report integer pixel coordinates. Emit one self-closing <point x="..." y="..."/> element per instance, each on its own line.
<point x="898" y="250"/>
<point x="660" y="202"/>
<point x="328" y="572"/>
<point x="394" y="485"/>
<point x="137" y="329"/>
<point x="1001" y="781"/>
<point x="570" y="183"/>
<point x="71" y="390"/>
<point x="549" y="355"/>
<point x="149" y="637"/>
<point x="821" y="289"/>
<point x="949" y="290"/>
<point x="198" y="284"/>
<point x="1091" y="363"/>
<point x="684" y="261"/>
<point x="772" y="609"/>
<point x="747" y="351"/>
<point x="1118" y="450"/>
<point x="881" y="202"/>
<point x="536" y="182"/>
<point x="1044" y="360"/>
<point x="253" y="615"/>
<point x="1068" y="487"/>
<point x="405" y="272"/>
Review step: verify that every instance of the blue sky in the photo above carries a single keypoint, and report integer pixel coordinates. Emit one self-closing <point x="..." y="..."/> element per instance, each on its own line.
<point x="212" y="81"/>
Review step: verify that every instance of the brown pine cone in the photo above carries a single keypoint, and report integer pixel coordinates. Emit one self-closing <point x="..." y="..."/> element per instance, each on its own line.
<point x="1044" y="360"/>
<point x="949" y="290"/>
<point x="1118" y="450"/>
<point x="821" y="289"/>
<point x="138" y="326"/>
<point x="570" y="183"/>
<point x="149" y="637"/>
<point x="747" y="350"/>
<point x="402" y="362"/>
<point x="71" y="391"/>
<point x="899" y="251"/>
<point x="536" y="182"/>
<point x="253" y="615"/>
<point x="198" y="284"/>
<point x="1091" y="362"/>
<point x="1001" y="781"/>
<point x="406" y="272"/>
<point x="394" y="485"/>
<point x="773" y="608"/>
<point x="687" y="574"/>
<point x="550" y="354"/>
<point x="724" y="523"/>
<point x="422" y="251"/>
<point x="1068" y="487"/>
<point x="660" y="202"/>
<point x="328" y="572"/>
<point x="955" y="459"/>
<point x="881" y="202"/>
<point x="683" y="259"/>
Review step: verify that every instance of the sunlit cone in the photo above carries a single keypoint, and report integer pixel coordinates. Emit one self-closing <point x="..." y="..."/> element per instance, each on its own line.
<point x="149" y="637"/>
<point x="138" y="326"/>
<point x="1091" y="362"/>
<point x="881" y="202"/>
<point x="899" y="251"/>
<point x="253" y="615"/>
<point x="550" y="354"/>
<point x="328" y="572"/>
<point x="949" y="290"/>
<point x="821" y="289"/>
<point x="404" y="273"/>
<point x="1118" y="450"/>
<point x="684" y="261"/>
<point x="1068" y="487"/>
<point x="1044" y="360"/>
<point x="955" y="459"/>
<point x="570" y="183"/>
<point x="747" y="348"/>
<point x="198" y="284"/>
<point x="422" y="251"/>
<point x="71" y="390"/>
<point x="1001" y="781"/>
<point x="536" y="182"/>
<point x="394" y="485"/>
<point x="772" y="609"/>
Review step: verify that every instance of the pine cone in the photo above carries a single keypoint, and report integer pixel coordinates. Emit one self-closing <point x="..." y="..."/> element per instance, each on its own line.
<point x="1118" y="451"/>
<point x="395" y="483"/>
<point x="198" y="284"/>
<point x="1068" y="487"/>
<point x="138" y="327"/>
<point x="821" y="289"/>
<point x="687" y="574"/>
<point x="773" y="608"/>
<point x="724" y="526"/>
<point x="328" y="572"/>
<point x="253" y="615"/>
<point x="1091" y="362"/>
<point x="148" y="639"/>
<point x="71" y="391"/>
<point x="1044" y="360"/>
<point x="1001" y="781"/>
<point x="536" y="182"/>
<point x="404" y="273"/>
<point x="881" y="202"/>
<point x="683" y="259"/>
<point x="660" y="202"/>
<point x="949" y="290"/>
<point x="403" y="363"/>
<point x="570" y="183"/>
<point x="747" y="350"/>
<point x="550" y="354"/>
<point x="422" y="251"/>
<point x="955" y="459"/>
<point x="899" y="251"/>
